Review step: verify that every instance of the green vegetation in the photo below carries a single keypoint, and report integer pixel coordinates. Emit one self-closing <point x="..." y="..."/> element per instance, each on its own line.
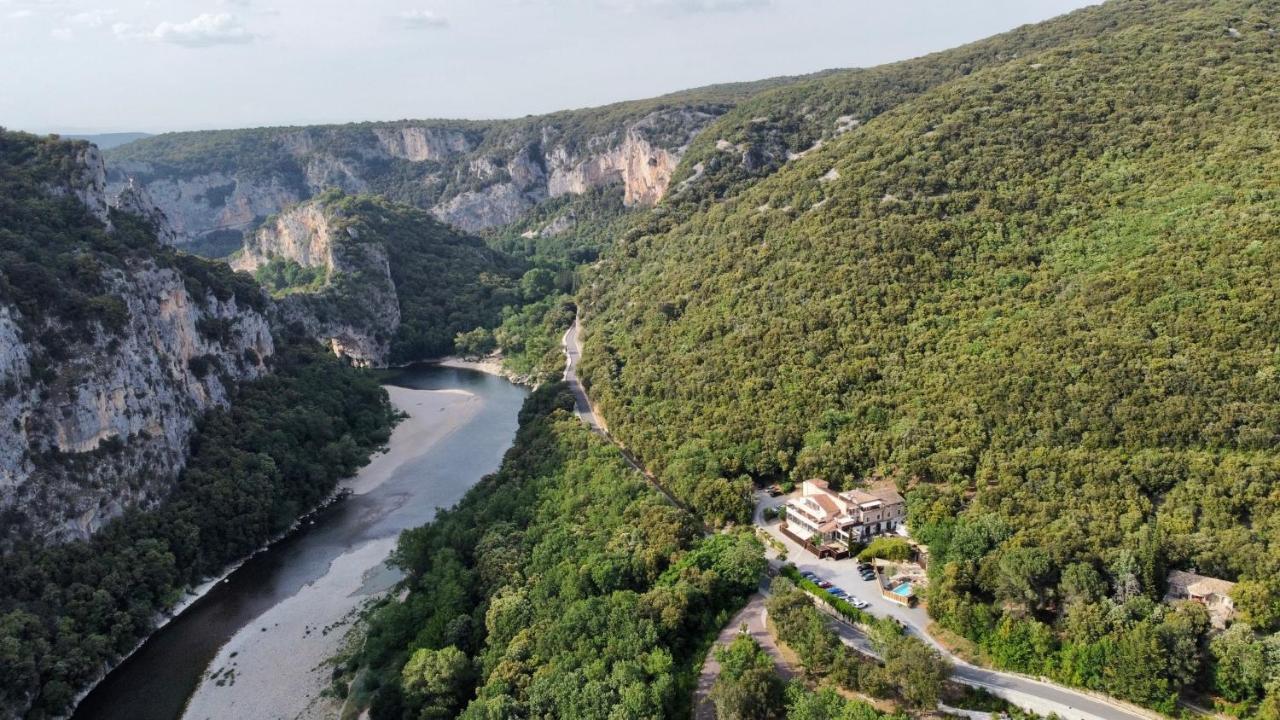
<point x="281" y="277"/>
<point x="67" y="611"/>
<point x="573" y="586"/>
<point x="909" y="670"/>
<point x="747" y="688"/>
<point x="887" y="548"/>
<point x="1035" y="289"/>
<point x="280" y="450"/>
<point x="446" y="282"/>
<point x="57" y="260"/>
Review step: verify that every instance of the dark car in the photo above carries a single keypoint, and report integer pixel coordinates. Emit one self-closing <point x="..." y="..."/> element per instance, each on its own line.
<point x="823" y="584"/>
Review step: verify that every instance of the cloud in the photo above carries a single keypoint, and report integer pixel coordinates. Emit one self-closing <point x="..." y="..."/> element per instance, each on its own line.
<point x="205" y="30"/>
<point x="21" y="14"/>
<point x="422" y="19"/>
<point x="90" y="18"/>
<point x="689" y="6"/>
<point x="62" y="33"/>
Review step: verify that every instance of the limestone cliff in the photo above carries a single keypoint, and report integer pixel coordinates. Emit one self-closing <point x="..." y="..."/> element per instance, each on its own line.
<point x="474" y="176"/>
<point x="98" y="396"/>
<point x="354" y="310"/>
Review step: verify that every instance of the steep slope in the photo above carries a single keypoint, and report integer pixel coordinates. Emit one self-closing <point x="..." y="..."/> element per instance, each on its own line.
<point x="764" y="132"/>
<point x="216" y="186"/>
<point x="155" y="429"/>
<point x="378" y="281"/>
<point x="1041" y="293"/>
<point x="1071" y="252"/>
<point x="110" y="348"/>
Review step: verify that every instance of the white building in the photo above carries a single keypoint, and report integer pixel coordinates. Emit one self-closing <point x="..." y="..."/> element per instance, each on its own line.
<point x="839" y="517"/>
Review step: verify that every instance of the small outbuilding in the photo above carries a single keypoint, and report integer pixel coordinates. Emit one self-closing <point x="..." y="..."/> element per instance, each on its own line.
<point x="1213" y="593"/>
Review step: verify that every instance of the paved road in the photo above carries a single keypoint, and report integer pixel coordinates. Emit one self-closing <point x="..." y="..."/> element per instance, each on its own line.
<point x="1040" y="697"/>
<point x="572" y="343"/>
<point x="753" y="616"/>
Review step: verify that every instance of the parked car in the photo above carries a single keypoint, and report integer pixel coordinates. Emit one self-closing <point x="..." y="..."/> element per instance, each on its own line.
<point x="824" y="584"/>
<point x="860" y="604"/>
<point x="808" y="575"/>
<point x="838" y="592"/>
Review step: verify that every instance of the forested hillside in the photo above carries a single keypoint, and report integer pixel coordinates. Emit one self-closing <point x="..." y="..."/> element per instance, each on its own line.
<point x="779" y="124"/>
<point x="155" y="430"/>
<point x="1042" y="294"/>
<point x="561" y="586"/>
<point x="380" y="281"/>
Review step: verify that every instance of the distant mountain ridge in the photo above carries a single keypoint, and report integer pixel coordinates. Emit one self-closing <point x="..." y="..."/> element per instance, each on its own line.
<point x="107" y="141"/>
<point x="215" y="186"/>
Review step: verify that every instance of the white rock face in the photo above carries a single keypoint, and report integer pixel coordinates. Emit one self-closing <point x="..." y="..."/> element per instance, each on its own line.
<point x="474" y="179"/>
<point x="423" y="144"/>
<point x="207" y="203"/>
<point x="302" y="235"/>
<point x="643" y="170"/>
<point x="357" y="329"/>
<point x="495" y="205"/>
<point x="110" y="429"/>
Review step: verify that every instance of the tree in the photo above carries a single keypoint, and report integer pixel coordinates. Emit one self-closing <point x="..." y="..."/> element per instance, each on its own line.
<point x="435" y="679"/>
<point x="748" y="688"/>
<point x="1181" y="633"/>
<point x="1024" y="576"/>
<point x="1258" y="603"/>
<point x="887" y="548"/>
<point x="475" y="343"/>
<point x="1239" y="663"/>
<point x="917" y="670"/>
<point x="1081" y="583"/>
<point x="1139" y="670"/>
<point x="537" y="284"/>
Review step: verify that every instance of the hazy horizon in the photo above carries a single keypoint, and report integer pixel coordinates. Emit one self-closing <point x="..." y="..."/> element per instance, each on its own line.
<point x="83" y="68"/>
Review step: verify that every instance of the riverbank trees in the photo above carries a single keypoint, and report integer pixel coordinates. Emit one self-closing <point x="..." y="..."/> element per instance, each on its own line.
<point x="69" y="610"/>
<point x="572" y="586"/>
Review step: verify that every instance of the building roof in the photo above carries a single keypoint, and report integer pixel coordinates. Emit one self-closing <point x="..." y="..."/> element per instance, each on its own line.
<point x="1194" y="585"/>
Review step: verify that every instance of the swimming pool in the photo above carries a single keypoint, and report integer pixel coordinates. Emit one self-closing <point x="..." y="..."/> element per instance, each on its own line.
<point x="904" y="590"/>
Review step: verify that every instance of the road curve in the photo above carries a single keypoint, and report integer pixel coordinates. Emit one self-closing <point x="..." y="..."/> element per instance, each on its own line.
<point x="1040" y="697"/>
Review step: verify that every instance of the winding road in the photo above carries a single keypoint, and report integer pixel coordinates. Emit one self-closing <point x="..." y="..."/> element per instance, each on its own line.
<point x="1037" y="696"/>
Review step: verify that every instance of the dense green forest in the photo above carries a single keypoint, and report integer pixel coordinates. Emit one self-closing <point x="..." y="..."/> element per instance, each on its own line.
<point x="1041" y="293"/>
<point x="561" y="586"/>
<point x="68" y="610"/>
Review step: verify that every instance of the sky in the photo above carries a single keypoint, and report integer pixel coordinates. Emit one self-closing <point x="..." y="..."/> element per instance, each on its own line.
<point x="77" y="66"/>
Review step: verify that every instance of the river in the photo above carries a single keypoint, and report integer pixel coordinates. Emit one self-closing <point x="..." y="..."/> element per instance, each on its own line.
<point x="266" y="630"/>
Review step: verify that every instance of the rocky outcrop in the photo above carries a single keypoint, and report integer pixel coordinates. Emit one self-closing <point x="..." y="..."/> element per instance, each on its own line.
<point x="206" y="204"/>
<point x="422" y="144"/>
<point x="356" y="319"/>
<point x="474" y="176"/>
<point x="103" y="425"/>
<point x="640" y="166"/>
<point x="135" y="200"/>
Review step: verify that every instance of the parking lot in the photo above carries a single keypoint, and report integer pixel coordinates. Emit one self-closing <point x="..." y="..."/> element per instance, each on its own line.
<point x="841" y="574"/>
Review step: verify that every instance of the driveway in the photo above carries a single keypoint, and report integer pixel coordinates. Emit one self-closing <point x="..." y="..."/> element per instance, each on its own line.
<point x="1028" y="693"/>
<point x="753" y="616"/>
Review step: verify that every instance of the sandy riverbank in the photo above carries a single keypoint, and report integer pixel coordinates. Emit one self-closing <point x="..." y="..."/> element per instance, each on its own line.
<point x="491" y="365"/>
<point x="276" y="667"/>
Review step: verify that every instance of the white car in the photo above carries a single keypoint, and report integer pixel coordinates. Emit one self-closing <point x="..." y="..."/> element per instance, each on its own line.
<point x="860" y="604"/>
